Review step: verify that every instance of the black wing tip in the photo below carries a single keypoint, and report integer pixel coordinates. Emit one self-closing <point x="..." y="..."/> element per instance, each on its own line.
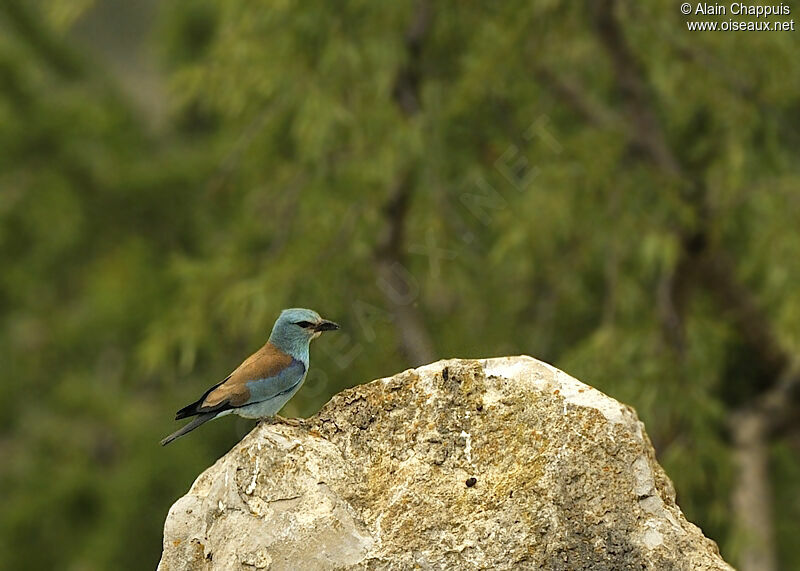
<point x="189" y="410"/>
<point x="194" y="409"/>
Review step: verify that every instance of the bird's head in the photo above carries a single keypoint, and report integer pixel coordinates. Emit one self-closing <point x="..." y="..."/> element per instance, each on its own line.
<point x="296" y="327"/>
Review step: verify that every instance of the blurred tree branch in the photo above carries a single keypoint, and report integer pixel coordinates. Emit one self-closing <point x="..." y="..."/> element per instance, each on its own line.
<point x="576" y="96"/>
<point x="395" y="281"/>
<point x="645" y="132"/>
<point x="30" y="27"/>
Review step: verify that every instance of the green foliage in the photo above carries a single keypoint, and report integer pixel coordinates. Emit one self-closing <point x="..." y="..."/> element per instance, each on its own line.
<point x="139" y="266"/>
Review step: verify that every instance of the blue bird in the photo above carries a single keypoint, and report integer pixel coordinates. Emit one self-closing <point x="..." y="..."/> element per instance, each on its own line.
<point x="267" y="379"/>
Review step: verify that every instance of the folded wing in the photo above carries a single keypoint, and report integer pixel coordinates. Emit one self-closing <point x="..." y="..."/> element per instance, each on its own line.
<point x="266" y="374"/>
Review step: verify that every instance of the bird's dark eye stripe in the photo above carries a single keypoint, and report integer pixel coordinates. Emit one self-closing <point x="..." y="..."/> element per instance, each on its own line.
<point x="304" y="324"/>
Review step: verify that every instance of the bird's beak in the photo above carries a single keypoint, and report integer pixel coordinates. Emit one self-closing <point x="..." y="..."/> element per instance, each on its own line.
<point x="326" y="325"/>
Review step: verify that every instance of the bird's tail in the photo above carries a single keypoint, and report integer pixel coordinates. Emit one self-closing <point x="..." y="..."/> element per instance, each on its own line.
<point x="200" y="419"/>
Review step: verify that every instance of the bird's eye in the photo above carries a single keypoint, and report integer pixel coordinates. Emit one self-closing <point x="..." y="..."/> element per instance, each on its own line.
<point x="304" y="324"/>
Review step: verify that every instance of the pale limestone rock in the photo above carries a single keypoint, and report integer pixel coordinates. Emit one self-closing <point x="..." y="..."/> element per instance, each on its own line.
<point x="501" y="463"/>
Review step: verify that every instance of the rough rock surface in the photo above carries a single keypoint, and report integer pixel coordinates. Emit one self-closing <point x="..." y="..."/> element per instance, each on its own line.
<point x="501" y="463"/>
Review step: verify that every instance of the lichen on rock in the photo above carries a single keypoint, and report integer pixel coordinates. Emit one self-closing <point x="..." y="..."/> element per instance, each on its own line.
<point x="503" y="463"/>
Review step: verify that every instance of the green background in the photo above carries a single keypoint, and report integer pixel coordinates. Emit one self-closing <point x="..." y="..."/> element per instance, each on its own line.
<point x="585" y="182"/>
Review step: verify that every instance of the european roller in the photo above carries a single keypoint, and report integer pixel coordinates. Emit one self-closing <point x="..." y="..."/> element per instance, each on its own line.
<point x="267" y="379"/>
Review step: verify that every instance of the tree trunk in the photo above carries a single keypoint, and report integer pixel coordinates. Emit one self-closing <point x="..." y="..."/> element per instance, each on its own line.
<point x="752" y="494"/>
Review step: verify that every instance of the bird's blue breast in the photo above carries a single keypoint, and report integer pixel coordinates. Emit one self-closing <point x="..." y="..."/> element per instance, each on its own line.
<point x="288" y="380"/>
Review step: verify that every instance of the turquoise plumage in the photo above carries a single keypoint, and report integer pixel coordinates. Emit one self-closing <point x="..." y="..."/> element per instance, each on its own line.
<point x="266" y="380"/>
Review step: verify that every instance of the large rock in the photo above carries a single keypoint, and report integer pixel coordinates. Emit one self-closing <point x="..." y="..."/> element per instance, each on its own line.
<point x="502" y="463"/>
